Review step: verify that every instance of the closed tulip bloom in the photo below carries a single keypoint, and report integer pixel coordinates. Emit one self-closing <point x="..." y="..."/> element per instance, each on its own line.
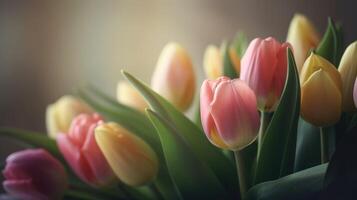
<point x="60" y="114"/>
<point x="174" y="77"/>
<point x="321" y="96"/>
<point x="303" y="37"/>
<point x="264" y="68"/>
<point x="34" y="174"/>
<point x="82" y="153"/>
<point x="229" y="113"/>
<point x="348" y="71"/>
<point x="129" y="96"/>
<point x="355" y="93"/>
<point x="131" y="158"/>
<point x="213" y="61"/>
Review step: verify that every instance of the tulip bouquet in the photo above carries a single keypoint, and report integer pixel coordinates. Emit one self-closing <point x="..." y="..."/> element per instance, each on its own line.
<point x="274" y="121"/>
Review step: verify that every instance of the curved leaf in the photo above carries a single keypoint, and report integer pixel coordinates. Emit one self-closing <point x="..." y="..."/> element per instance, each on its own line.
<point x="193" y="178"/>
<point x="331" y="46"/>
<point x="277" y="154"/>
<point x="34" y="139"/>
<point x="240" y="43"/>
<point x="228" y="68"/>
<point x="193" y="135"/>
<point x="298" y="186"/>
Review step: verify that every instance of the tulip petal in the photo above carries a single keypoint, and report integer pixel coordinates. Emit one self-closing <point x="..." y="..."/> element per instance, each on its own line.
<point x="132" y="160"/>
<point x="72" y="154"/>
<point x="348" y="71"/>
<point x="264" y="68"/>
<point x="321" y="99"/>
<point x="212" y="62"/>
<point x="23" y="189"/>
<point x="95" y="159"/>
<point x="174" y="77"/>
<point x="315" y="62"/>
<point x="232" y="113"/>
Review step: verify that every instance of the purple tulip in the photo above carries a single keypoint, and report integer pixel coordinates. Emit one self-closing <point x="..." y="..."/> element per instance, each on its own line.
<point x="34" y="174"/>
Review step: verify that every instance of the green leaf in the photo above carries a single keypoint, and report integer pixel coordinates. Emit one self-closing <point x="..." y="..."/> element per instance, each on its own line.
<point x="193" y="178"/>
<point x="340" y="43"/>
<point x="278" y="144"/>
<point x="240" y="43"/>
<point x="331" y="46"/>
<point x="34" y="139"/>
<point x="342" y="164"/>
<point x="193" y="135"/>
<point x="228" y="68"/>
<point x="137" y="123"/>
<point x="300" y="185"/>
<point x="307" y="146"/>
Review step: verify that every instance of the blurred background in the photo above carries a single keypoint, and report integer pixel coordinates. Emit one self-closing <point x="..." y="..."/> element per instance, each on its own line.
<point x="49" y="48"/>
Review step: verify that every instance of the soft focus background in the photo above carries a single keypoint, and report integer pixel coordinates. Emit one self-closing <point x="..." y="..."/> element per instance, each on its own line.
<point x="49" y="48"/>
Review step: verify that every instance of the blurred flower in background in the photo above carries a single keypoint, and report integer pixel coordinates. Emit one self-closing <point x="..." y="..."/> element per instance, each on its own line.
<point x="128" y="95"/>
<point x="303" y="37"/>
<point x="174" y="77"/>
<point x="60" y="114"/>
<point x="348" y="71"/>
<point x="34" y="174"/>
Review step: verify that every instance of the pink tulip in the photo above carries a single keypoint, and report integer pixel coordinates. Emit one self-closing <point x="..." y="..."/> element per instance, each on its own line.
<point x="229" y="113"/>
<point x="34" y="174"/>
<point x="264" y="68"/>
<point x="355" y="93"/>
<point x="82" y="153"/>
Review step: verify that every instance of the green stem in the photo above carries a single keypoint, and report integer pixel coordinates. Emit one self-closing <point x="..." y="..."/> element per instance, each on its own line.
<point x="241" y="171"/>
<point x="264" y="122"/>
<point x="153" y="187"/>
<point x="324" y="146"/>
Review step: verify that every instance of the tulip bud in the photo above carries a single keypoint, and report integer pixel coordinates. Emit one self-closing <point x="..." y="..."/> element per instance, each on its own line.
<point x="355" y="93"/>
<point x="348" y="71"/>
<point x="60" y="114"/>
<point x="174" y="77"/>
<point x="229" y="113"/>
<point x="321" y="86"/>
<point x="129" y="96"/>
<point x="34" y="174"/>
<point x="82" y="153"/>
<point x="213" y="61"/>
<point x="264" y="68"/>
<point x="303" y="37"/>
<point x="131" y="158"/>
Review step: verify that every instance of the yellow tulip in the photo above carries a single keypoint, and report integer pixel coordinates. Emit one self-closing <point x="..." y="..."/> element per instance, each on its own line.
<point x="302" y="36"/>
<point x="348" y="71"/>
<point x="174" y="77"/>
<point x="321" y="96"/>
<point x="59" y="115"/>
<point x="129" y="96"/>
<point x="133" y="161"/>
<point x="213" y="61"/>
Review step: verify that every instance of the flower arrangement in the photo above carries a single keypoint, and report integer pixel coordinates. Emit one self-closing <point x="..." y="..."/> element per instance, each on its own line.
<point x="274" y="121"/>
